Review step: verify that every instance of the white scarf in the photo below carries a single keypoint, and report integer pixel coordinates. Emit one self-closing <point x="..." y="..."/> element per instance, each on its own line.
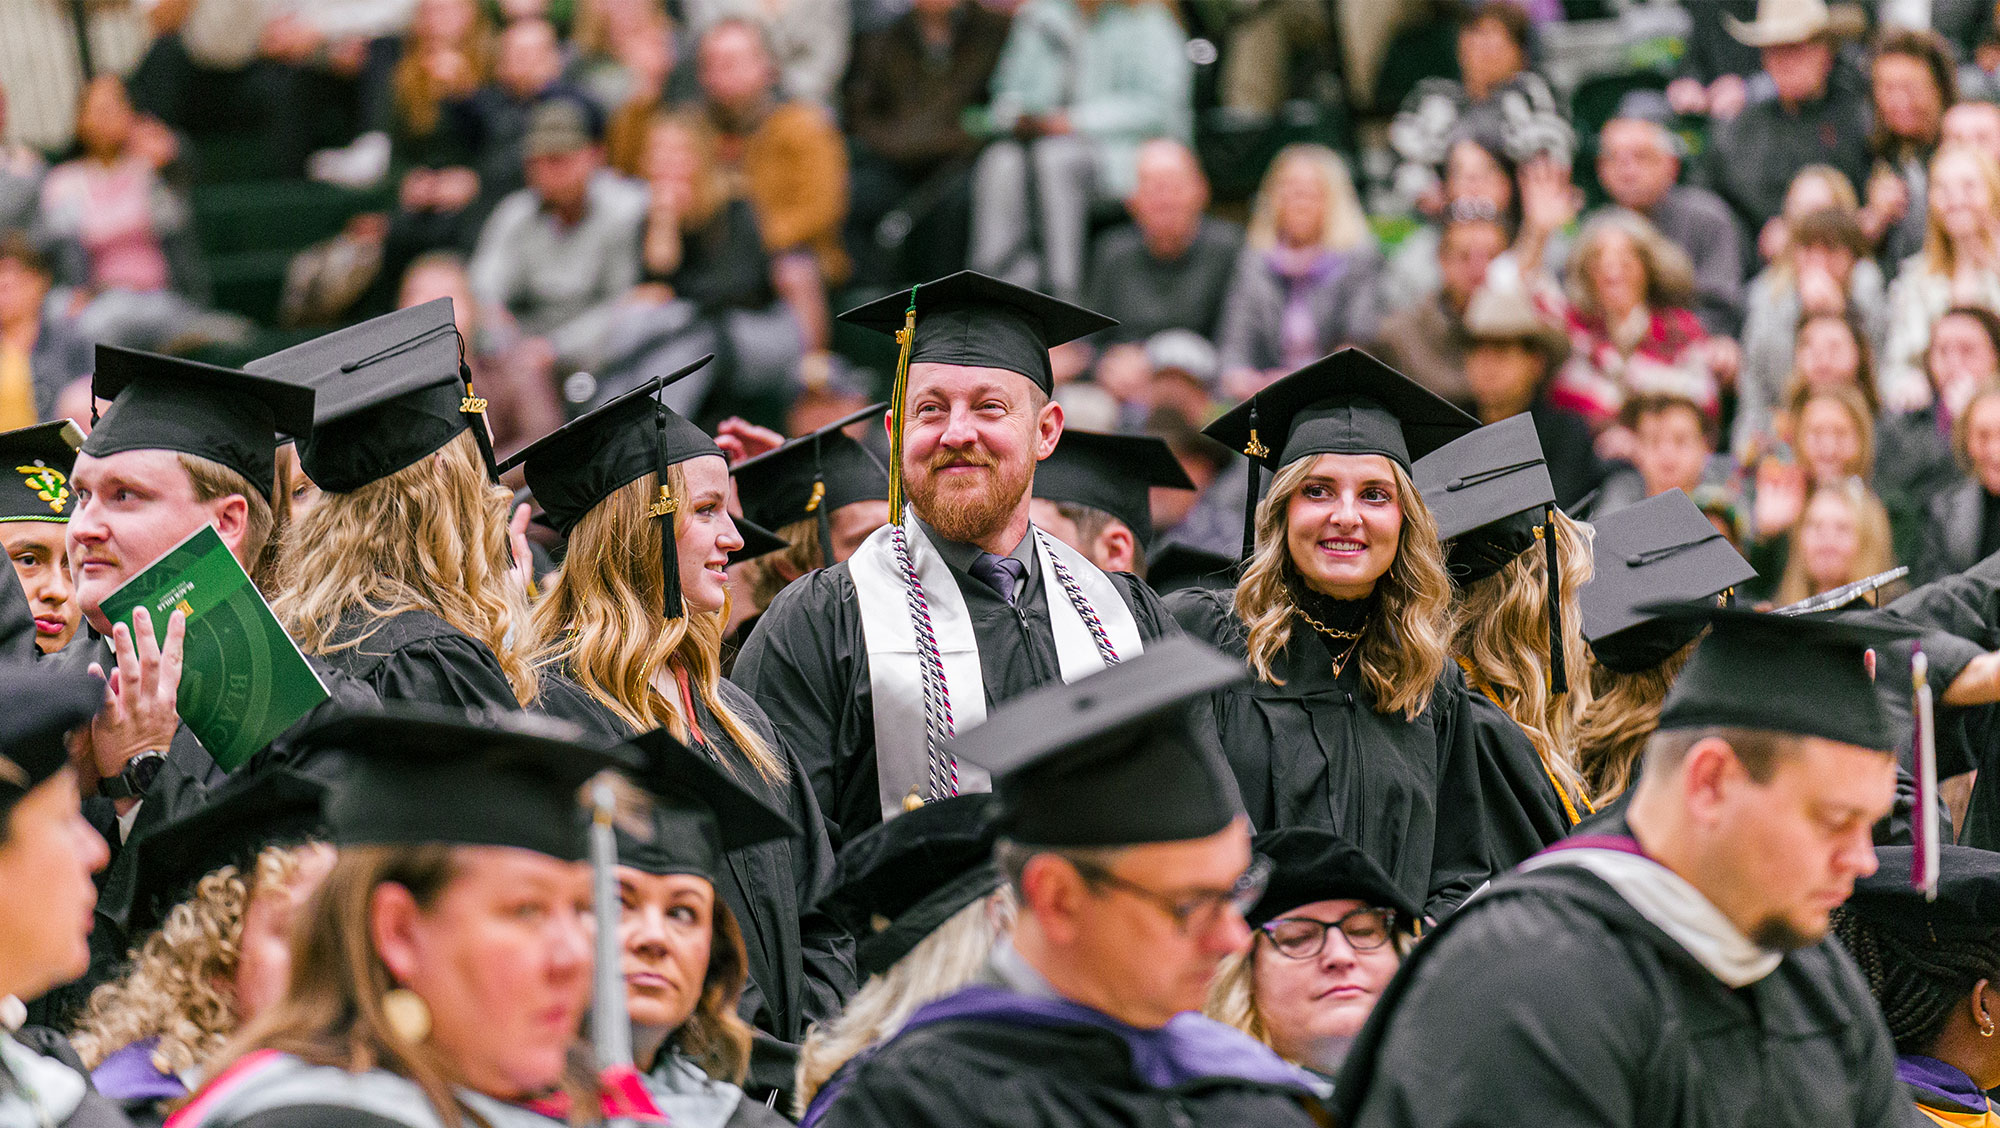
<point x="895" y="674"/>
<point x="1676" y="908"/>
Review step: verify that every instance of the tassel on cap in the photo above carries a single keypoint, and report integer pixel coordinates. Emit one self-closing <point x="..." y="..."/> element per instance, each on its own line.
<point x="1558" y="666"/>
<point x="664" y="509"/>
<point x="1255" y="450"/>
<point x="899" y="392"/>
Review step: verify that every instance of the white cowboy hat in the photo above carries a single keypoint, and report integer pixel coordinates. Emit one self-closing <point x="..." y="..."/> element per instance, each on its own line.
<point x="1780" y="22"/>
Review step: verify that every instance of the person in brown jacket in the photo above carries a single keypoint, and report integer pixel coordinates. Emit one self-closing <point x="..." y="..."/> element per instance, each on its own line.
<point x="787" y="159"/>
<point x="905" y="101"/>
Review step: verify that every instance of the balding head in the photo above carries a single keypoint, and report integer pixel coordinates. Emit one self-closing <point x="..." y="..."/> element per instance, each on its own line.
<point x="1169" y="197"/>
<point x="1636" y="162"/>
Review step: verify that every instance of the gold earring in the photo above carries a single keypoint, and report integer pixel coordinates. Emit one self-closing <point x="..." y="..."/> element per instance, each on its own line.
<point x="408" y="1016"/>
<point x="1986" y="1029"/>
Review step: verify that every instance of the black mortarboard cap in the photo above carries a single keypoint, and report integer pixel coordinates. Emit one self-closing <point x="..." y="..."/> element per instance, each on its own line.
<point x="757" y="541"/>
<point x="1662" y="549"/>
<point x="1111" y="473"/>
<point x="1311" y="864"/>
<point x="1174" y="566"/>
<point x="1347" y="403"/>
<point x="43" y="705"/>
<point x="392" y="390"/>
<point x="247" y="813"/>
<point x="698" y="812"/>
<point x="414" y="774"/>
<point x="222" y="414"/>
<point x="579" y="464"/>
<point x="971" y="319"/>
<point x="810" y="477"/>
<point x="894" y="884"/>
<point x="1846" y="597"/>
<point x="1803" y="674"/>
<point x="1112" y="759"/>
<point x="35" y="464"/>
<point x="1968" y="895"/>
<point x="1492" y="499"/>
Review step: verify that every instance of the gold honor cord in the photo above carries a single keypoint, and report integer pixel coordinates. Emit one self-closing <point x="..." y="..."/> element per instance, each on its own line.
<point x="905" y="337"/>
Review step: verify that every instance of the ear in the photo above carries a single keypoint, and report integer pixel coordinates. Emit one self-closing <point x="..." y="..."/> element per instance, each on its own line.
<point x="392" y="925"/>
<point x="1709" y="772"/>
<point x="231" y="516"/>
<point x="1054" y="892"/>
<point x="1048" y="429"/>
<point x="1982" y="1008"/>
<point x="1116" y="549"/>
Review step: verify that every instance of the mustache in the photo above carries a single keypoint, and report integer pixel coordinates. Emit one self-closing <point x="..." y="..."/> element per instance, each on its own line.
<point x="944" y="460"/>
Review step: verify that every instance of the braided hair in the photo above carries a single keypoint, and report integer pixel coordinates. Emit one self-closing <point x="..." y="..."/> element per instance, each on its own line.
<point x="1916" y="979"/>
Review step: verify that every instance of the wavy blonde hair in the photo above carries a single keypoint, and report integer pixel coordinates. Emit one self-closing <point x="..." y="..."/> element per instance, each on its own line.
<point x="1406" y="644"/>
<point x="1501" y="629"/>
<point x="1232" y="994"/>
<point x="1346" y="224"/>
<point x="430" y="537"/>
<point x="603" y="623"/>
<point x="331" y="1012"/>
<point x="1874" y="549"/>
<point x="1623" y="713"/>
<point x="1939" y="255"/>
<point x="952" y="956"/>
<point x="176" y="990"/>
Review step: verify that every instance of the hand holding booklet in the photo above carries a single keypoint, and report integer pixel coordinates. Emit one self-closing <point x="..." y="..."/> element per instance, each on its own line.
<point x="243" y="679"/>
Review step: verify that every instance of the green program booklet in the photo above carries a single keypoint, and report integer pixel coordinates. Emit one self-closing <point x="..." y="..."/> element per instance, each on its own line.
<point x="243" y="680"/>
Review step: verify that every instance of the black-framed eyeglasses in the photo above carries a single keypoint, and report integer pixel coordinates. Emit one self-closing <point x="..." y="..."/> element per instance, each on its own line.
<point x="1195" y="911"/>
<point x="1302" y="938"/>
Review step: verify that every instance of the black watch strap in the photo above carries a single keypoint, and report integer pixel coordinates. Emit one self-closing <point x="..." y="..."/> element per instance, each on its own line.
<point x="136" y="779"/>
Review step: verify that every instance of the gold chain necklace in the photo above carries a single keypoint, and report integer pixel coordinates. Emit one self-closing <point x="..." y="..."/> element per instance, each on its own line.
<point x="1353" y="639"/>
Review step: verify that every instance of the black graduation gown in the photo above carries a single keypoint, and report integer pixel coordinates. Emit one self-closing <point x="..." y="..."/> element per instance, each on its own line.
<point x="417" y="656"/>
<point x="1549" y="1001"/>
<point x="989" y="1074"/>
<point x="17" y="622"/>
<point x="1534" y="816"/>
<point x="806" y="663"/>
<point x="1961" y="614"/>
<point x="801" y="963"/>
<point x="1314" y="752"/>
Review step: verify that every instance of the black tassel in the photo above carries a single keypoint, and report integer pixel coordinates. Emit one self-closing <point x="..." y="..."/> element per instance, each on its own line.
<point x="820" y="510"/>
<point x="1558" y="672"/>
<point x="1253" y="451"/>
<point x="663" y="509"/>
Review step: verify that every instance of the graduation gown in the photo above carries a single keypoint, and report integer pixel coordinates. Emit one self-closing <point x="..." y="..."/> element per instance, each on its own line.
<point x="989" y="1057"/>
<point x="801" y="963"/>
<point x="1550" y="1000"/>
<point x="273" y="1090"/>
<point x="417" y="656"/>
<point x="1535" y="815"/>
<point x="1315" y="752"/>
<point x="806" y="663"/>
<point x="17" y="622"/>
<point x="1965" y="607"/>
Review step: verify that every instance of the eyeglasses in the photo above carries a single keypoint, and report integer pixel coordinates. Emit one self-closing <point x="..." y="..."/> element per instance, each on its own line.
<point x="1302" y="938"/>
<point x="1191" y="912"/>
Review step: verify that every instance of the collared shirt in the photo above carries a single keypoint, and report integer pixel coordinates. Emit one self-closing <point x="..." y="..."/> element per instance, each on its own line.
<point x="1008" y="968"/>
<point x="960" y="556"/>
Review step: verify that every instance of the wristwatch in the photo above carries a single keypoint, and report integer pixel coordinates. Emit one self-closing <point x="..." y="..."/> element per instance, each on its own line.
<point x="137" y="778"/>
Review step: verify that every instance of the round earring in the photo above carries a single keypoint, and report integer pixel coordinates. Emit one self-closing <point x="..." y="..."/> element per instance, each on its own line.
<point x="1986" y="1029"/>
<point x="408" y="1016"/>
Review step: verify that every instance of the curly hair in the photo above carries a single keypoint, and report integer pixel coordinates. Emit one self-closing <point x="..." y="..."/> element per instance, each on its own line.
<point x="430" y="537"/>
<point x="946" y="960"/>
<point x="603" y="621"/>
<point x="1405" y="647"/>
<point x="1916" y="980"/>
<point x="1501" y="629"/>
<point x="1623" y="713"/>
<point x="176" y="990"/>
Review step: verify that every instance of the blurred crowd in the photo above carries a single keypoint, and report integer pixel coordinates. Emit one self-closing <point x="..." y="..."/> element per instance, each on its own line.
<point x="1754" y="253"/>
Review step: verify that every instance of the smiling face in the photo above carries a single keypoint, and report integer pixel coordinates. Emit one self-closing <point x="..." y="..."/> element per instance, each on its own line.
<point x="705" y="534"/>
<point x="1343" y="526"/>
<point x="1617" y="275"/>
<point x="1961" y="199"/>
<point x="971" y="440"/>
<point x="1829" y="540"/>
<point x="40" y="552"/>
<point x="666" y="928"/>
<point x="1827" y="353"/>
<point x="1305" y="1003"/>
<point x="1830" y="440"/>
<point x="502" y="959"/>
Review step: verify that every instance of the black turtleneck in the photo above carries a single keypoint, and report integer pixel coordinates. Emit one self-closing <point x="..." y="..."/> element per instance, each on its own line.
<point x="1339" y="614"/>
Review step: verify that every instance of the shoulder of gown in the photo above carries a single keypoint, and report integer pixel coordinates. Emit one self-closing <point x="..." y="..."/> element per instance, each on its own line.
<point x="417" y="656"/>
<point x="1209" y="615"/>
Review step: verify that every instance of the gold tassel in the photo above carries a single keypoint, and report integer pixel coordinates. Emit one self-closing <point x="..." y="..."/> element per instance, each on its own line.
<point x="818" y="495"/>
<point x="905" y="337"/>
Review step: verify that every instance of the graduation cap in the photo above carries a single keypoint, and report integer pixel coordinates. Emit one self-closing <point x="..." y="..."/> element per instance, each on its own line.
<point x="579" y="464"/>
<point x="1845" y="597"/>
<point x="898" y="881"/>
<point x="810" y="477"/>
<point x="698" y="812"/>
<point x="392" y="390"/>
<point x="221" y="414"/>
<point x="1112" y="474"/>
<point x="1492" y="499"/>
<point x="1968" y="894"/>
<point x="1310" y="864"/>
<point x="1662" y="549"/>
<point x="415" y="774"/>
<point x="40" y="459"/>
<point x="1174" y="566"/>
<point x="973" y="320"/>
<point x="43" y="705"/>
<point x="239" y="820"/>
<point x="1347" y="403"/>
<point x="1111" y="759"/>
<point x="757" y="541"/>
<point x="1803" y="675"/>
